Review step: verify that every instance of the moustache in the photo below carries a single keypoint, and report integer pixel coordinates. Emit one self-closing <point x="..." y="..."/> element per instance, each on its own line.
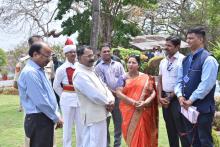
<point x="91" y="61"/>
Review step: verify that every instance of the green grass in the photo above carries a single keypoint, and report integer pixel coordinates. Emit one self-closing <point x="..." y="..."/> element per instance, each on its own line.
<point x="11" y="125"/>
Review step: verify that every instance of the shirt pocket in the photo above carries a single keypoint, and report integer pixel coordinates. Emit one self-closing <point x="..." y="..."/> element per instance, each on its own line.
<point x="117" y="73"/>
<point x="174" y="72"/>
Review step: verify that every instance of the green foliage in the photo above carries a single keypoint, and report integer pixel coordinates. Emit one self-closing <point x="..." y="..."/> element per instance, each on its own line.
<point x="125" y="53"/>
<point x="139" y="3"/>
<point x="215" y="48"/>
<point x="215" y="138"/>
<point x="216" y="121"/>
<point x="80" y="23"/>
<point x="3" y="58"/>
<point x="58" y="50"/>
<point x="121" y="29"/>
<point x="63" y="6"/>
<point x="152" y="67"/>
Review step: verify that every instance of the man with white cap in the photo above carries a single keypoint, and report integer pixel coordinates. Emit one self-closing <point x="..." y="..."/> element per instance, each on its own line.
<point x="69" y="102"/>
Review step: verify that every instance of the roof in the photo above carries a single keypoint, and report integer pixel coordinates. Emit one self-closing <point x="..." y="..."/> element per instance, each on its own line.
<point x="148" y="42"/>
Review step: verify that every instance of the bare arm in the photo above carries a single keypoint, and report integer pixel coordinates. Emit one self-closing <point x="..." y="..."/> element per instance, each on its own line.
<point x="124" y="98"/>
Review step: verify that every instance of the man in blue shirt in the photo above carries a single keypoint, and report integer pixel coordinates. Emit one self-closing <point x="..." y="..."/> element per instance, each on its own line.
<point x="196" y="86"/>
<point x="109" y="71"/>
<point x="37" y="98"/>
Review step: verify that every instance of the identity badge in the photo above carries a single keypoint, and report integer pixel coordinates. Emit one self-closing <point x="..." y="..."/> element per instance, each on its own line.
<point x="186" y="79"/>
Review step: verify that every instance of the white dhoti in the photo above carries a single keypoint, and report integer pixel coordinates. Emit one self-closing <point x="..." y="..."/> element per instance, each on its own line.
<point x="95" y="135"/>
<point x="71" y="116"/>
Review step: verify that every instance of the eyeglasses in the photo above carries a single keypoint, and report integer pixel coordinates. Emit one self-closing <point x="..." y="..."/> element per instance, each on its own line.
<point x="89" y="56"/>
<point x="47" y="56"/>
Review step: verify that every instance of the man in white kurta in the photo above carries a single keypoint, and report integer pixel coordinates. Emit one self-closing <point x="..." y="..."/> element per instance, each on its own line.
<point x="69" y="102"/>
<point x="96" y="100"/>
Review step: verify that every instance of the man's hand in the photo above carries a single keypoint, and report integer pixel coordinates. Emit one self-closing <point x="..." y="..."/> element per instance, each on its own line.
<point x="187" y="104"/>
<point x="113" y="93"/>
<point x="110" y="106"/>
<point x="59" y="123"/>
<point x="181" y="100"/>
<point x="164" y="102"/>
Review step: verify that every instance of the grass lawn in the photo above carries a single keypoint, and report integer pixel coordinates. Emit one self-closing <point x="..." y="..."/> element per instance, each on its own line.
<point x="11" y="125"/>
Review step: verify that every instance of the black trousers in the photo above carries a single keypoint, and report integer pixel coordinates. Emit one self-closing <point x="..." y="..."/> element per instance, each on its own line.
<point x="40" y="129"/>
<point x="201" y="133"/>
<point x="175" y="124"/>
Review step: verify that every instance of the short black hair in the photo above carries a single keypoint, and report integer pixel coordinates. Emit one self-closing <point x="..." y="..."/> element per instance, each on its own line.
<point x="137" y="57"/>
<point x="80" y="50"/>
<point x="175" y="40"/>
<point x="105" y="45"/>
<point x="35" y="48"/>
<point x="31" y="39"/>
<point x="200" y="31"/>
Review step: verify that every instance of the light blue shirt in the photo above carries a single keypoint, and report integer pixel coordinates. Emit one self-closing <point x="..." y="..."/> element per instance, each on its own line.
<point x="208" y="79"/>
<point x="110" y="73"/>
<point x="36" y="93"/>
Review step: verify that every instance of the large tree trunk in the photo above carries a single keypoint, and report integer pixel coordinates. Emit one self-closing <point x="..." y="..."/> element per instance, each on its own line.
<point x="107" y="27"/>
<point x="106" y="22"/>
<point x="95" y="25"/>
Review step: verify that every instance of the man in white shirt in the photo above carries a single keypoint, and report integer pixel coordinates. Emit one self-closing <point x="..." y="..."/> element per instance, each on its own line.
<point x="96" y="100"/>
<point x="168" y="71"/>
<point x="69" y="102"/>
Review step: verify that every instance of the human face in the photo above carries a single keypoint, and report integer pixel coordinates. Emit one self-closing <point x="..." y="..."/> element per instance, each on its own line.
<point x="194" y="41"/>
<point x="132" y="65"/>
<point x="170" y="48"/>
<point x="71" y="56"/>
<point x="87" y="58"/>
<point x="44" y="56"/>
<point x="106" y="54"/>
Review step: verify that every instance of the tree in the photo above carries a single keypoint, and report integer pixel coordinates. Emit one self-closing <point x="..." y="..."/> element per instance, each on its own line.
<point x="3" y="59"/>
<point x="95" y="24"/>
<point x="21" y="15"/>
<point x="115" y="27"/>
<point x="177" y="16"/>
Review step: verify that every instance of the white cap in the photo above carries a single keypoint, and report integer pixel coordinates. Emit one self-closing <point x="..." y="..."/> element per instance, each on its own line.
<point x="68" y="48"/>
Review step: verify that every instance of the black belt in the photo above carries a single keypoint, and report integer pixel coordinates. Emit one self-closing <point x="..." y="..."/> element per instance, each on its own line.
<point x="167" y="94"/>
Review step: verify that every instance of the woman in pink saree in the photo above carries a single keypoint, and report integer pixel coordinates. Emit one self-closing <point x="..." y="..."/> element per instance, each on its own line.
<point x="139" y="106"/>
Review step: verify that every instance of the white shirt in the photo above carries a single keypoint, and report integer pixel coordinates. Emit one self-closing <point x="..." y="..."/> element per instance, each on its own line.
<point x="93" y="95"/>
<point x="168" y="69"/>
<point x="66" y="98"/>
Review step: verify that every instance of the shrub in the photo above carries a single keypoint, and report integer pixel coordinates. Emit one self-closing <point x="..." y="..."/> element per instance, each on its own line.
<point x="215" y="138"/>
<point x="8" y="91"/>
<point x="152" y="67"/>
<point x="125" y="53"/>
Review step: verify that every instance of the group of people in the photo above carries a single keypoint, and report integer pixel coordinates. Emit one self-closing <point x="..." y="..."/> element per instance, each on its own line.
<point x="91" y="93"/>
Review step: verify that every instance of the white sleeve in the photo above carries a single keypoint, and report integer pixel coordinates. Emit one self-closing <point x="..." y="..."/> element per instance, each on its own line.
<point x="83" y="84"/>
<point x="57" y="81"/>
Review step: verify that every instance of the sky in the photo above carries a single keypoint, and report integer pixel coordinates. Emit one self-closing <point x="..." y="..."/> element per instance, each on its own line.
<point x="8" y="41"/>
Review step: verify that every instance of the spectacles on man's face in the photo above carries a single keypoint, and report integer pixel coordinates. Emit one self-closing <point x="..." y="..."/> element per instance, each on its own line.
<point x="89" y="56"/>
<point x="47" y="56"/>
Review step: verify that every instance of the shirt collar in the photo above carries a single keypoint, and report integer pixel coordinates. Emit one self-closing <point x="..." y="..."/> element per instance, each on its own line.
<point x="34" y="64"/>
<point x="175" y="56"/>
<point x="86" y="67"/>
<point x="198" y="50"/>
<point x="69" y="63"/>
<point x="111" y="62"/>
